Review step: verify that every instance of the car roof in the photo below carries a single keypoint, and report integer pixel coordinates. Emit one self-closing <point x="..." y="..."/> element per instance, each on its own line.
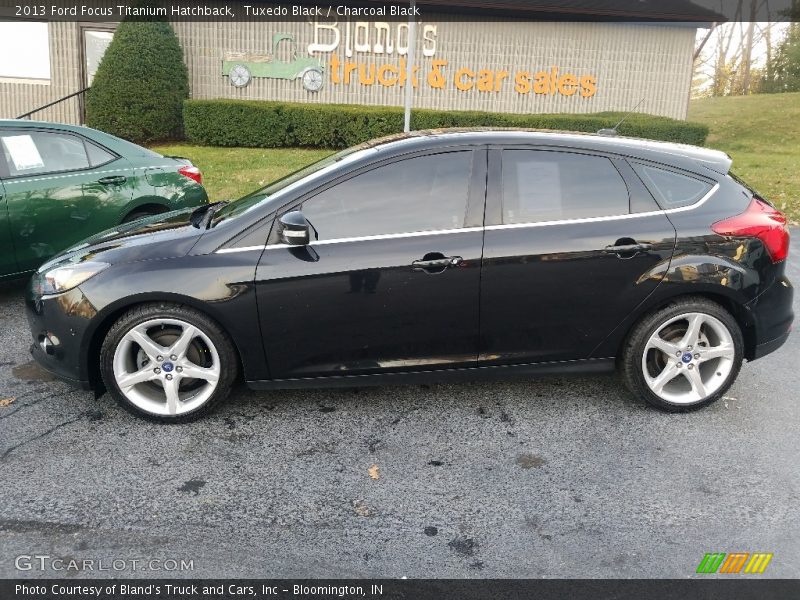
<point x="116" y="144"/>
<point x="41" y="124"/>
<point x="664" y="152"/>
<point x="658" y="151"/>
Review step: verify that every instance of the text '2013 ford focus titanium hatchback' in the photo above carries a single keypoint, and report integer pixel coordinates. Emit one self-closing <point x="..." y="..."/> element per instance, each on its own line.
<point x="435" y="255"/>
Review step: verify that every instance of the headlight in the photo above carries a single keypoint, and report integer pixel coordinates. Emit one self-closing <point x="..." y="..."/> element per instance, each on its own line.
<point x="67" y="276"/>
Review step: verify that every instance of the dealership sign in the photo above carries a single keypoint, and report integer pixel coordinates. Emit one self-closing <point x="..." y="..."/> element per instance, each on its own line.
<point x="390" y="40"/>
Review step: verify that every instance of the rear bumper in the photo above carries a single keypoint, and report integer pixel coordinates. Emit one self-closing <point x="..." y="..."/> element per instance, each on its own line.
<point x="771" y="346"/>
<point x="773" y="315"/>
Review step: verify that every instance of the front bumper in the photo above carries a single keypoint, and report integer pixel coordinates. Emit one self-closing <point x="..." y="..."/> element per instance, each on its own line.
<point x="47" y="364"/>
<point x="58" y="324"/>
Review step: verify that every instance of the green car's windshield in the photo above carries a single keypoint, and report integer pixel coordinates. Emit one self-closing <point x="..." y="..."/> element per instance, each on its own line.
<point x="244" y="204"/>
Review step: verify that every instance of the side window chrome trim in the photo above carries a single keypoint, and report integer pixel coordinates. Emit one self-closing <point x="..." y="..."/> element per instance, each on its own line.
<point x="365" y="238"/>
<point x="391" y="236"/>
<point x="697" y="204"/>
<point x="610" y="217"/>
<point x="242" y="249"/>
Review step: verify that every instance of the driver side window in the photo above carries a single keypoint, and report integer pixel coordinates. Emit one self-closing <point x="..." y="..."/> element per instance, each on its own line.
<point x="425" y="193"/>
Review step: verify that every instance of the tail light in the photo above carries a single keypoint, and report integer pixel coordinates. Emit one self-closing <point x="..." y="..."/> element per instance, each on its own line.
<point x="762" y="221"/>
<point x="191" y="172"/>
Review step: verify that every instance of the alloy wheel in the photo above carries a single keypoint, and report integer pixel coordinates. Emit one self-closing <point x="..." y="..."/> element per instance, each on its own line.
<point x="166" y="366"/>
<point x="688" y="358"/>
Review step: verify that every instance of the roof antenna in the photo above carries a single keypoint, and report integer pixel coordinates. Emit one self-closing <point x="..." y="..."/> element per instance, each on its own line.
<point x="613" y="130"/>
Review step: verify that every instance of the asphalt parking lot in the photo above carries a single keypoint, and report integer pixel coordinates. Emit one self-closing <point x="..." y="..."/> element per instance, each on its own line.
<point x="548" y="478"/>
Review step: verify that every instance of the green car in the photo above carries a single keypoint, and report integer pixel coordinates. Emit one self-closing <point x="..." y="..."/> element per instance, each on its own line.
<point x="62" y="183"/>
<point x="241" y="67"/>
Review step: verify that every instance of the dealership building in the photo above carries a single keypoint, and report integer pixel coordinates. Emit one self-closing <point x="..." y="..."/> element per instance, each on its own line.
<point x="511" y="56"/>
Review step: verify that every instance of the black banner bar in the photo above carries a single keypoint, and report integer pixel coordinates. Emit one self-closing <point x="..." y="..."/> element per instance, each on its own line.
<point x="738" y="588"/>
<point x="656" y="11"/>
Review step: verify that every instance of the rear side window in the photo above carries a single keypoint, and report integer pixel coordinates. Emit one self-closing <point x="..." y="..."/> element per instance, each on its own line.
<point x="97" y="155"/>
<point x="40" y="152"/>
<point x="672" y="189"/>
<point x="417" y="194"/>
<point x="541" y="186"/>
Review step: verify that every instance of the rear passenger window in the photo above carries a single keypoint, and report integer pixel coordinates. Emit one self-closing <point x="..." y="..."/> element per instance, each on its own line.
<point x="97" y="155"/>
<point x="671" y="189"/>
<point x="40" y="152"/>
<point x="540" y="186"/>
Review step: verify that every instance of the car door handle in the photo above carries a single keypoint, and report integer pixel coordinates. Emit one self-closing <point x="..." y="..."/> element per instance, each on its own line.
<point x="436" y="263"/>
<point x="627" y="248"/>
<point x="113" y="180"/>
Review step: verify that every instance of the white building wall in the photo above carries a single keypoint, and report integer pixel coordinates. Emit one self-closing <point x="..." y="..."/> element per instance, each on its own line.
<point x="629" y="62"/>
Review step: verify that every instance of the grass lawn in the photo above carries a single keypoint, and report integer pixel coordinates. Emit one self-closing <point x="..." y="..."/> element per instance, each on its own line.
<point x="762" y="134"/>
<point x="230" y="173"/>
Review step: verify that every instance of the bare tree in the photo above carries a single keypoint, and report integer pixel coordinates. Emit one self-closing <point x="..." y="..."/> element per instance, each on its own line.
<point x="699" y="48"/>
<point x="747" y="50"/>
<point x="729" y="65"/>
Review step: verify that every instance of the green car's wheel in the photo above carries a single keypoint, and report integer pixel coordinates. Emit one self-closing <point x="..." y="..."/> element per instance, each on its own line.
<point x="140" y="214"/>
<point x="312" y="80"/>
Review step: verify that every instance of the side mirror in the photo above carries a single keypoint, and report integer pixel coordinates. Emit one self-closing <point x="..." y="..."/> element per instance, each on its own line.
<point x="294" y="229"/>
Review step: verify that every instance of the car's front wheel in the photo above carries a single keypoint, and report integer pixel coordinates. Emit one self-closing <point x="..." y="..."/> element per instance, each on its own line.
<point x="683" y="356"/>
<point x="167" y="362"/>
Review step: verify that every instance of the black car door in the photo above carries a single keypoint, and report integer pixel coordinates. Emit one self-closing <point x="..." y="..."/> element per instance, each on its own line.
<point x="392" y="283"/>
<point x="574" y="242"/>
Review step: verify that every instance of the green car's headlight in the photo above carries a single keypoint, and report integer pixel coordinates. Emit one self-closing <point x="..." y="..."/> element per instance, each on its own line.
<point x="67" y="276"/>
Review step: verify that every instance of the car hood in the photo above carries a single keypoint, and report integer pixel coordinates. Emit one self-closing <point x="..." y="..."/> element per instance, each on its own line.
<point x="167" y="235"/>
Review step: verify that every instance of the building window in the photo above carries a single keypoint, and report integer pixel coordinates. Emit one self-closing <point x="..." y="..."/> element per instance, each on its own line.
<point x="95" y="44"/>
<point x="25" y="48"/>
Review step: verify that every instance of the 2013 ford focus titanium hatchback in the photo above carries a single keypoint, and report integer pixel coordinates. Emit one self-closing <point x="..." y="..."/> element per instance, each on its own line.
<point x="435" y="255"/>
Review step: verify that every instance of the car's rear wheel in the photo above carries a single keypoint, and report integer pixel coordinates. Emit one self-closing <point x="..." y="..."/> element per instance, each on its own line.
<point x="141" y="214"/>
<point x="683" y="356"/>
<point x="168" y="362"/>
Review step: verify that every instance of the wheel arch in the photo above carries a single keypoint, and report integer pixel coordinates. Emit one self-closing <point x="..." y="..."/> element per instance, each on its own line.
<point x="742" y="316"/>
<point x="105" y="320"/>
<point x="146" y="203"/>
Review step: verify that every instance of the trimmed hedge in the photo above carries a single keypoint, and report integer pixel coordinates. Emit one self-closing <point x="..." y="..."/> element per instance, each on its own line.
<point x="140" y="85"/>
<point x="262" y="124"/>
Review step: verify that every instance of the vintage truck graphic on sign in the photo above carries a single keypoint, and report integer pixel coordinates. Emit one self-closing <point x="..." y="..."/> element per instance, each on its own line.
<point x="241" y="67"/>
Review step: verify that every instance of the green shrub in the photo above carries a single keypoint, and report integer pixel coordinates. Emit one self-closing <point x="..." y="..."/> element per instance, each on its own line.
<point x="259" y="124"/>
<point x="140" y="85"/>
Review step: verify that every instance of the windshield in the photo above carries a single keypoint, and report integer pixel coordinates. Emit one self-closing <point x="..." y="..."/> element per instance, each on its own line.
<point x="244" y="204"/>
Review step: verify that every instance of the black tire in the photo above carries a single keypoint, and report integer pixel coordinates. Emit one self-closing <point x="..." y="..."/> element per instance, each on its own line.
<point x="630" y="363"/>
<point x="228" y="358"/>
<point x="140" y="214"/>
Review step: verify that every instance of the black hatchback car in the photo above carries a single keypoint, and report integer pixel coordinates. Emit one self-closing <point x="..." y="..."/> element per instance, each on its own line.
<point x="434" y="255"/>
